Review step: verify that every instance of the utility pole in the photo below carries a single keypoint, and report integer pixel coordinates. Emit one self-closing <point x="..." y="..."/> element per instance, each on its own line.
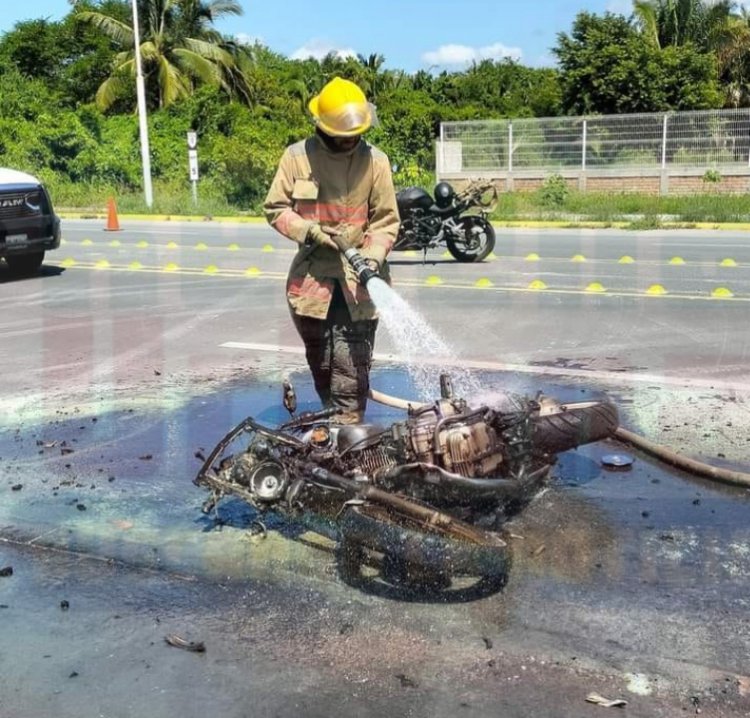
<point x="140" y="89"/>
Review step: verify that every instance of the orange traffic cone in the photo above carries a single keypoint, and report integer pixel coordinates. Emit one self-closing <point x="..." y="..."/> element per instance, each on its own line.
<point x="113" y="224"/>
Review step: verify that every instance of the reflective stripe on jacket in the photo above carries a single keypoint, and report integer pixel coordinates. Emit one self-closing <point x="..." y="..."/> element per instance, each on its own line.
<point x="351" y="192"/>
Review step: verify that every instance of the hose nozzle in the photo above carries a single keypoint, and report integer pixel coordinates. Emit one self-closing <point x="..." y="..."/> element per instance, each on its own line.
<point x="361" y="266"/>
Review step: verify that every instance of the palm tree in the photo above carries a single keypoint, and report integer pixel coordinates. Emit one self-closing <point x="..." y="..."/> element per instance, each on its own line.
<point x="179" y="48"/>
<point x="679" y="22"/>
<point x="713" y="27"/>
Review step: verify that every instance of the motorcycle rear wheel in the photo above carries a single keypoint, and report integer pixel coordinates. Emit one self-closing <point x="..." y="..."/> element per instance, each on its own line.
<point x="474" y="241"/>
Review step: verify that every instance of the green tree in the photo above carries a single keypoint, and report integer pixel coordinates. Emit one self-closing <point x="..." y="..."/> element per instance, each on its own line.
<point x="179" y="48"/>
<point x="605" y="67"/>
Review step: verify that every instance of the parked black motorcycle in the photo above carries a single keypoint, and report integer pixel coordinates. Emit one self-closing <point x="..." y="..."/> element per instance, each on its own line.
<point x="427" y="223"/>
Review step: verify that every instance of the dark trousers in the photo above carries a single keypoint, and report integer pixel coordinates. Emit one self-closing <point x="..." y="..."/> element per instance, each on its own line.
<point x="339" y="354"/>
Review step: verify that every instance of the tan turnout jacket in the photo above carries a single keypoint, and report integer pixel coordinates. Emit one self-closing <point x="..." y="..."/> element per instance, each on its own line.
<point x="351" y="192"/>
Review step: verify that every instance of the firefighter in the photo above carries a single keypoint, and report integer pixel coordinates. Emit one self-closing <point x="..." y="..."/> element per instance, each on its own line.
<point x="333" y="191"/>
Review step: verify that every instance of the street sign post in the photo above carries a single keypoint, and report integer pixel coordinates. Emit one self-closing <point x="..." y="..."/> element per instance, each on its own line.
<point x="192" y="141"/>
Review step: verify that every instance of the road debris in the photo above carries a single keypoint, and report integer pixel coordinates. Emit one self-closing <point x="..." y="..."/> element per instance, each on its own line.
<point x="406" y="682"/>
<point x="605" y="702"/>
<point x="64" y="605"/>
<point x="16" y="487"/>
<point x="178" y="642"/>
<point x="7" y="571"/>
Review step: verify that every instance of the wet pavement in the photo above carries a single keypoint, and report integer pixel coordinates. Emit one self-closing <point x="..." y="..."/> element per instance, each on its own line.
<point x="632" y="584"/>
<point x="620" y="579"/>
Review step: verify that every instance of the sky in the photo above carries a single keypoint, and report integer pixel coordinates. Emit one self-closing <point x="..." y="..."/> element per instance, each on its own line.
<point x="411" y="34"/>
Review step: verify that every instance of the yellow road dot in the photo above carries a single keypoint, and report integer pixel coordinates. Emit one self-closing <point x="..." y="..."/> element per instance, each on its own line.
<point x="578" y="258"/>
<point x="234" y="247"/>
<point x="114" y="243"/>
<point x="728" y="262"/>
<point x="533" y="257"/>
<point x="102" y="264"/>
<point x="491" y="255"/>
<point x="596" y="287"/>
<point x="201" y="245"/>
<point x="68" y="262"/>
<point x="626" y="259"/>
<point x="252" y="272"/>
<point x="86" y="242"/>
<point x="722" y="293"/>
<point x="135" y="265"/>
<point x="483" y="283"/>
<point x="410" y="253"/>
<point x="537" y="285"/>
<point x="143" y="243"/>
<point x="656" y="289"/>
<point x="433" y="280"/>
<point x="677" y="260"/>
<point x="171" y="267"/>
<point x="63" y="241"/>
<point x="446" y="255"/>
<point x="267" y="248"/>
<point x="172" y="245"/>
<point x="211" y="269"/>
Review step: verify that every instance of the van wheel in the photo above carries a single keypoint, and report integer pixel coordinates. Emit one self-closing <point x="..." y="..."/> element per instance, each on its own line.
<point x="24" y="265"/>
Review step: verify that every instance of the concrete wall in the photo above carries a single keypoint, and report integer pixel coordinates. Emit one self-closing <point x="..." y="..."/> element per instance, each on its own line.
<point x="676" y="181"/>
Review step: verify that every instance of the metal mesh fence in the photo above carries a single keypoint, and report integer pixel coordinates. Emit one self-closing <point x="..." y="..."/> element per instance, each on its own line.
<point x="705" y="139"/>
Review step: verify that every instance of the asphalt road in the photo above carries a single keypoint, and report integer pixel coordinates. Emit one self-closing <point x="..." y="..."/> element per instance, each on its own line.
<point x="134" y="350"/>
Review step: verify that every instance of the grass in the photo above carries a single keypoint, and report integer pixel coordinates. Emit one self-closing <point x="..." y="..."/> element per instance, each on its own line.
<point x="639" y="211"/>
<point x="643" y="211"/>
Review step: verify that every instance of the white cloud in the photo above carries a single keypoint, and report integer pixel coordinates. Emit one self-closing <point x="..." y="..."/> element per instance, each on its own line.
<point x="464" y="54"/>
<point x="318" y="49"/>
<point x="243" y="38"/>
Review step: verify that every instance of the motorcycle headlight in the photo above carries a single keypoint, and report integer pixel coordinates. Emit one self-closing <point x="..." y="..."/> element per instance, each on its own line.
<point x="268" y="480"/>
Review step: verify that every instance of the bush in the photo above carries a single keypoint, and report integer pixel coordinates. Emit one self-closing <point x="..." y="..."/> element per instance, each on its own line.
<point x="553" y="192"/>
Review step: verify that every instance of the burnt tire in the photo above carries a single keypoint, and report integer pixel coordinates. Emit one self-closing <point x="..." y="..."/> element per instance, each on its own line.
<point x="575" y="424"/>
<point x="24" y="265"/>
<point x="475" y="241"/>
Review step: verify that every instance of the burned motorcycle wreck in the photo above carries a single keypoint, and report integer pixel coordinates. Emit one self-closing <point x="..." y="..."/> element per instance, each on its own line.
<point x="428" y="494"/>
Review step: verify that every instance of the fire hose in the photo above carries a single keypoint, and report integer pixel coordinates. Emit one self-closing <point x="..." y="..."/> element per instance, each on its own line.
<point x="662" y="453"/>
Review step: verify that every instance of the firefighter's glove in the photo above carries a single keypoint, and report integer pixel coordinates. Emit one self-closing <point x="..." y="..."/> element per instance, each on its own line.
<point x="375" y="252"/>
<point x="320" y="236"/>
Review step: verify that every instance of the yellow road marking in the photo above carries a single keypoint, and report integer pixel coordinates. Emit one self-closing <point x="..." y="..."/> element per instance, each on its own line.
<point x="433" y="280"/>
<point x="142" y="244"/>
<point x="201" y="245"/>
<point x="578" y="258"/>
<point x="722" y="293"/>
<point x="483" y="283"/>
<point x="102" y="264"/>
<point x="535" y="286"/>
<point x="533" y="257"/>
<point x="211" y="269"/>
<point x="86" y="242"/>
<point x="677" y="260"/>
<point x="114" y="243"/>
<point x="268" y="248"/>
<point x="234" y="247"/>
<point x="656" y="290"/>
<point x="596" y="287"/>
<point x="172" y="245"/>
<point x="728" y="262"/>
<point x="626" y="259"/>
